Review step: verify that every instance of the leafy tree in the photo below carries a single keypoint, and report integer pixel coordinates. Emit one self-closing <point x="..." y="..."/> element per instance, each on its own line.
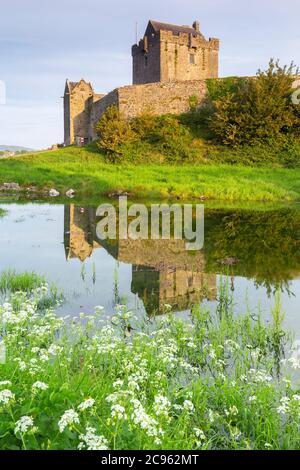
<point x="113" y="131"/>
<point x="259" y="110"/>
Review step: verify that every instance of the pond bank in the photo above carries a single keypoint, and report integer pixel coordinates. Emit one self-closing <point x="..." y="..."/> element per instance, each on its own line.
<point x="85" y="171"/>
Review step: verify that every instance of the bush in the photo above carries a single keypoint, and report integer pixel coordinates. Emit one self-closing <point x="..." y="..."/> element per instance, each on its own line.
<point x="144" y="125"/>
<point x="258" y="110"/>
<point x="113" y="131"/>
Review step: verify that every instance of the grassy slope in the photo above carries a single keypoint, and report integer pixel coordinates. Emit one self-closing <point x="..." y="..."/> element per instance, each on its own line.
<point x="85" y="171"/>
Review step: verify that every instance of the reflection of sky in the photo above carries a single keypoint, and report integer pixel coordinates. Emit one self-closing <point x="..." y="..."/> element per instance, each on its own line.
<point x="31" y="238"/>
<point x="42" y="43"/>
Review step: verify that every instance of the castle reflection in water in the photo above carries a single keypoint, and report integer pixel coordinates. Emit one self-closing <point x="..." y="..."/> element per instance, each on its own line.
<point x="163" y="271"/>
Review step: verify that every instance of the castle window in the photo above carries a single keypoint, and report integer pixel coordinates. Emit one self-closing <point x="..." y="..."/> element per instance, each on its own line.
<point x="192" y="59"/>
<point x="146" y="61"/>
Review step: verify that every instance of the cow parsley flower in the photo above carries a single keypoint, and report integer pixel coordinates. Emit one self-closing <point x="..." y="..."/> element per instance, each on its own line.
<point x="89" y="403"/>
<point x="188" y="406"/>
<point x="6" y="396"/>
<point x="252" y="399"/>
<point x="69" y="418"/>
<point x="5" y="383"/>
<point x="24" y="425"/>
<point x="118" y="412"/>
<point x="284" y="405"/>
<point x="199" y="434"/>
<point x="161" y="406"/>
<point x="39" y="386"/>
<point x="91" y="441"/>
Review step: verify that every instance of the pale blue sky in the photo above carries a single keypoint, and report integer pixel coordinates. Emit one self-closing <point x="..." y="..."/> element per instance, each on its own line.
<point x="44" y="42"/>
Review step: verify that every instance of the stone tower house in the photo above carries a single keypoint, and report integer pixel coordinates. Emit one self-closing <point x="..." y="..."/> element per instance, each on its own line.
<point x="174" y="53"/>
<point x="79" y="98"/>
<point x="170" y="65"/>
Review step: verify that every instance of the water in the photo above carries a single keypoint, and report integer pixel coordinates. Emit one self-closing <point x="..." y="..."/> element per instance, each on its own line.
<point x="257" y="250"/>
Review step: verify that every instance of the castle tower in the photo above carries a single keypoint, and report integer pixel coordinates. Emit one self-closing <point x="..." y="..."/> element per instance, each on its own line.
<point x="174" y="53"/>
<point x="78" y="97"/>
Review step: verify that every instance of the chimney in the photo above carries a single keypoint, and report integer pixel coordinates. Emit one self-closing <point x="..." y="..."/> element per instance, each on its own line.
<point x="196" y="26"/>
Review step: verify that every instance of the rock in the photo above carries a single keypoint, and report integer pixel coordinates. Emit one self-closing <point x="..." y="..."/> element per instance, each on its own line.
<point x="118" y="194"/>
<point x="53" y="193"/>
<point x="70" y="193"/>
<point x="229" y="261"/>
<point x="11" y="186"/>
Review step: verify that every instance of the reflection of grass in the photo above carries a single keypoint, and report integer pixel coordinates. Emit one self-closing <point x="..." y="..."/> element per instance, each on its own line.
<point x="2" y="212"/>
<point x="85" y="170"/>
<point x="11" y="281"/>
<point x="211" y="383"/>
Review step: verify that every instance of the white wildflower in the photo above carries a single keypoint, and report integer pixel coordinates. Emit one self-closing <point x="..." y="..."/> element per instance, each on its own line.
<point x="89" y="403"/>
<point x="284" y="405"/>
<point x="162" y="406"/>
<point x="5" y="383"/>
<point x="252" y="399"/>
<point x="118" y="412"/>
<point x="6" y="396"/>
<point x="69" y="418"/>
<point x="188" y="406"/>
<point x="39" y="386"/>
<point x="199" y="434"/>
<point x="91" y="441"/>
<point x="55" y="350"/>
<point x="294" y="363"/>
<point x="118" y="383"/>
<point x="24" y="425"/>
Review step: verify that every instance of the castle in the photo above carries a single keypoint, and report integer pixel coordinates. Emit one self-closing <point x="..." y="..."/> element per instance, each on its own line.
<point x="170" y="65"/>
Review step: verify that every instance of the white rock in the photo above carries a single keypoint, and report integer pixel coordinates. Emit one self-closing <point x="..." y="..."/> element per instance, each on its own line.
<point x="14" y="186"/>
<point x="53" y="193"/>
<point x="70" y="193"/>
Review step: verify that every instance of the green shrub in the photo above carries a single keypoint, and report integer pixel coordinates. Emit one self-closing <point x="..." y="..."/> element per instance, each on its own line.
<point x="220" y="87"/>
<point x="144" y="125"/>
<point x="113" y="131"/>
<point x="258" y="110"/>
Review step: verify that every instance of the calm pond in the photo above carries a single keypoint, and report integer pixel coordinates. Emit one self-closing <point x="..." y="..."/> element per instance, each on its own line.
<point x="257" y="250"/>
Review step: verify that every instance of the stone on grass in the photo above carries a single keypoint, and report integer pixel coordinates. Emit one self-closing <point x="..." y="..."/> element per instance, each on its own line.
<point x="12" y="186"/>
<point x="70" y="193"/>
<point x="53" y="193"/>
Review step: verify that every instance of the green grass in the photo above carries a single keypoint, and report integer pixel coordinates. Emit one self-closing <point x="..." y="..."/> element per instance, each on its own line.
<point x="85" y="170"/>
<point x="2" y="212"/>
<point x="11" y="281"/>
<point x="215" y="382"/>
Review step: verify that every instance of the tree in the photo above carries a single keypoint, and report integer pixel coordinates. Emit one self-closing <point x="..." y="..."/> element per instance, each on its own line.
<point x="113" y="131"/>
<point x="259" y="110"/>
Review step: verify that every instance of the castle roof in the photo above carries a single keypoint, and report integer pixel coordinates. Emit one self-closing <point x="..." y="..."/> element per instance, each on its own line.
<point x="70" y="86"/>
<point x="158" y="26"/>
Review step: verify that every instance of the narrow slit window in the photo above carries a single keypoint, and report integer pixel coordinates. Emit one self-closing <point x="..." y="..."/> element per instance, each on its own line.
<point x="192" y="59"/>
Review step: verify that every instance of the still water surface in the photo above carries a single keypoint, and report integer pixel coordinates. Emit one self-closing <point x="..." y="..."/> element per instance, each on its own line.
<point x="258" y="251"/>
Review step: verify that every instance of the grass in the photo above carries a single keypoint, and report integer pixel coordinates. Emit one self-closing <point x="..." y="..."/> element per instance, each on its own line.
<point x="11" y="281"/>
<point x="85" y="170"/>
<point x="215" y="382"/>
<point x="2" y="212"/>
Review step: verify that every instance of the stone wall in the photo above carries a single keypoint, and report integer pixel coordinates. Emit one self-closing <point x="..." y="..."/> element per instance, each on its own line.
<point x="154" y="98"/>
<point x="98" y="107"/>
<point x="160" y="98"/>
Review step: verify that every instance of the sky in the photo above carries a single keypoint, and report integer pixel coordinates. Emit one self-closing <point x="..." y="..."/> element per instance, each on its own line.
<point x="44" y="42"/>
